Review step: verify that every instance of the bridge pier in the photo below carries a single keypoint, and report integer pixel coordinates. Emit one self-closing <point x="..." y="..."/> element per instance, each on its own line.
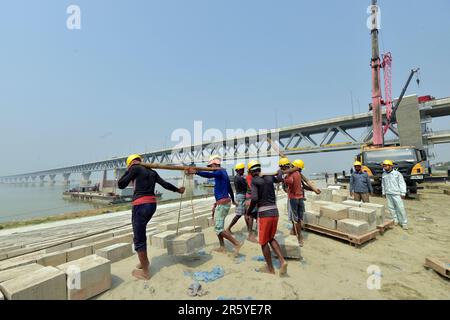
<point x="66" y="180"/>
<point x="85" y="178"/>
<point x="52" y="179"/>
<point x="409" y="122"/>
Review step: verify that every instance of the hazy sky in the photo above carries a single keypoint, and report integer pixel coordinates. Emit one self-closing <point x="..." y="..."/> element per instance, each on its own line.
<point x="137" y="70"/>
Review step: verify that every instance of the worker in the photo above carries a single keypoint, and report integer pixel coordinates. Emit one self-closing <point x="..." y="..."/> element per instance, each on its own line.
<point x="253" y="215"/>
<point x="240" y="186"/>
<point x="394" y="189"/>
<point x="224" y="197"/>
<point x="144" y="206"/>
<point x="360" y="185"/>
<point x="264" y="199"/>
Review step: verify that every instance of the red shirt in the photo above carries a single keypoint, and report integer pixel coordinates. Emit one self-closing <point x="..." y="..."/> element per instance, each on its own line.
<point x="294" y="184"/>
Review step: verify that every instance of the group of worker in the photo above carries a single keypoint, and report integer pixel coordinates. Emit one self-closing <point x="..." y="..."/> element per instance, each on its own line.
<point x="255" y="200"/>
<point x="393" y="188"/>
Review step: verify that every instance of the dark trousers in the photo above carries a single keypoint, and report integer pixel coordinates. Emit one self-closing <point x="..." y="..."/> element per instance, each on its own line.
<point x="140" y="217"/>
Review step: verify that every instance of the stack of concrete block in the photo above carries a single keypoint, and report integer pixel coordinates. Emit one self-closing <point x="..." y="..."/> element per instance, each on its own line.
<point x="124" y="238"/>
<point x="19" y="271"/>
<point x="79" y="252"/>
<point x="290" y="248"/>
<point x="115" y="252"/>
<point x="379" y="209"/>
<point x="364" y="214"/>
<point x="123" y="231"/>
<point x="352" y="203"/>
<point x="334" y="211"/>
<point x="47" y="283"/>
<point x="311" y="217"/>
<point x="103" y="243"/>
<point x="315" y="206"/>
<point x="339" y="198"/>
<point x="353" y="227"/>
<point x="326" y="195"/>
<point x="160" y="240"/>
<point x="186" y="244"/>
<point x="92" y="239"/>
<point x="150" y="236"/>
<point x="327" y="222"/>
<point x="86" y="277"/>
<point x="52" y="259"/>
<point x="60" y="247"/>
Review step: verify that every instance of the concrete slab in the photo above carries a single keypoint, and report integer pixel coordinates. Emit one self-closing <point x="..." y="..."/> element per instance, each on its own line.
<point x="364" y="214"/>
<point x="334" y="211"/>
<point x="19" y="252"/>
<point x="79" y="252"/>
<point x="351" y="226"/>
<point x="115" y="252"/>
<point x="19" y="271"/>
<point x="124" y="238"/>
<point x="315" y="205"/>
<point x="311" y="217"/>
<point x="91" y="239"/>
<point x="339" y="198"/>
<point x="52" y="259"/>
<point x="327" y="222"/>
<point x="87" y="277"/>
<point x="103" y="243"/>
<point x="380" y="211"/>
<point x="59" y="247"/>
<point x="47" y="283"/>
<point x="290" y="247"/>
<point x="185" y="244"/>
<point x="9" y="264"/>
<point x="352" y="203"/>
<point x="160" y="240"/>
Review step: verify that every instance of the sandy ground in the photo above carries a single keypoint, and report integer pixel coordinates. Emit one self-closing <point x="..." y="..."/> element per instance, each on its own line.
<point x="330" y="269"/>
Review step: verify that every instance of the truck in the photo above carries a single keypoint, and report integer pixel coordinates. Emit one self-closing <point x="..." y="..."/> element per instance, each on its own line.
<point x="410" y="161"/>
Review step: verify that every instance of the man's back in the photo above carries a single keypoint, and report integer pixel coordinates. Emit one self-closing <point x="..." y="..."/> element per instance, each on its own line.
<point x="263" y="190"/>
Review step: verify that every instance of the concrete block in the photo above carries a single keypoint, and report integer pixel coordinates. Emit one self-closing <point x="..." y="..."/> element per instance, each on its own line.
<point x="352" y="203"/>
<point x="6" y="249"/>
<point x="210" y="222"/>
<point x="52" y="259"/>
<point x="115" y="252"/>
<point x="326" y="195"/>
<point x="379" y="208"/>
<point x="364" y="214"/>
<point x="79" y="252"/>
<point x="122" y="232"/>
<point x="327" y="222"/>
<point x="351" y="226"/>
<point x="87" y="277"/>
<point x="150" y="236"/>
<point x="47" y="283"/>
<point x="290" y="247"/>
<point x="189" y="229"/>
<point x="334" y="211"/>
<point x="3" y="256"/>
<point x="20" y="252"/>
<point x="160" y="240"/>
<point x="315" y="205"/>
<point x="124" y="238"/>
<point x="91" y="239"/>
<point x="9" y="264"/>
<point x="103" y="243"/>
<point x="1" y="296"/>
<point x="19" y="271"/>
<point x="202" y="221"/>
<point x="60" y="247"/>
<point x="186" y="243"/>
<point x="339" y="198"/>
<point x="311" y="217"/>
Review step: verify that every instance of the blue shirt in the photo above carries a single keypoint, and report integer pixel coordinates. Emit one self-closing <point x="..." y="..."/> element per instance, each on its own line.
<point x="222" y="185"/>
<point x="360" y="182"/>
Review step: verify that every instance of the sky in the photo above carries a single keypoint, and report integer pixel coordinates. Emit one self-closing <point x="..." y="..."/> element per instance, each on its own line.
<point x="138" y="70"/>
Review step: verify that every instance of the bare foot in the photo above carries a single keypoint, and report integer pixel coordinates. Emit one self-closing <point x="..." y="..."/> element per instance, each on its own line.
<point x="264" y="269"/>
<point x="283" y="268"/>
<point x="141" y="274"/>
<point x="251" y="237"/>
<point x="220" y="250"/>
<point x="236" y="249"/>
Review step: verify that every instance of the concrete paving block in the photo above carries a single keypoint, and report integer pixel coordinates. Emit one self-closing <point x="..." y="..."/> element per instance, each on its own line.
<point x="352" y="203"/>
<point x="327" y="222"/>
<point x="150" y="236"/>
<point x="79" y="252"/>
<point x="20" y="252"/>
<point x="115" y="252"/>
<point x="122" y="232"/>
<point x="60" y="247"/>
<point x="47" y="283"/>
<point x="103" y="243"/>
<point x="87" y="277"/>
<point x="315" y="205"/>
<point x="160" y="240"/>
<point x="339" y="198"/>
<point x="290" y="247"/>
<point x="124" y="238"/>
<point x="19" y="271"/>
<point x="6" y="249"/>
<point x="311" y="217"/>
<point x="186" y="243"/>
<point x="52" y="259"/>
<point x="91" y="239"/>
<point x="334" y="211"/>
<point x="326" y="195"/>
<point x="201" y="221"/>
<point x="351" y="226"/>
<point x="364" y="214"/>
<point x="189" y="229"/>
<point x="380" y="211"/>
<point x="9" y="264"/>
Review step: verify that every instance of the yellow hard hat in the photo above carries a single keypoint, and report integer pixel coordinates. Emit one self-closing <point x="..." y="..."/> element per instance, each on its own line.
<point x="299" y="164"/>
<point x="388" y="162"/>
<point x="239" y="166"/>
<point x="284" y="162"/>
<point x="357" y="163"/>
<point x="252" y="164"/>
<point x="131" y="158"/>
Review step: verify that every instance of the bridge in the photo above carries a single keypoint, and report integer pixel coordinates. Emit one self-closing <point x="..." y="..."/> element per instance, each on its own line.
<point x="336" y="134"/>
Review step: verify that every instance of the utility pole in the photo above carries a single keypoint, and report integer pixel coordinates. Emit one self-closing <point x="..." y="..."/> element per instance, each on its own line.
<point x="377" y="120"/>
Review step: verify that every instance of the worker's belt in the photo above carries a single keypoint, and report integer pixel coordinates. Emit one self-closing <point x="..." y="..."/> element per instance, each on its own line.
<point x="223" y="201"/>
<point x="267" y="208"/>
<point x="144" y="200"/>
